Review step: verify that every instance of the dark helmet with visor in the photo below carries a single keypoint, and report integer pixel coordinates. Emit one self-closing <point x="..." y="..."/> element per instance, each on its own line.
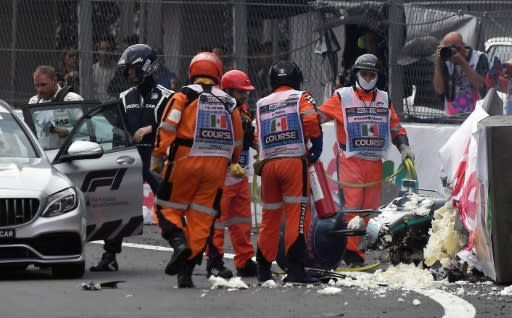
<point x="141" y="55"/>
<point x="285" y="73"/>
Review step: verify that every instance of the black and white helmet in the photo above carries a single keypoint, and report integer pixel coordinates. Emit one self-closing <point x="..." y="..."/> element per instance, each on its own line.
<point x="370" y="63"/>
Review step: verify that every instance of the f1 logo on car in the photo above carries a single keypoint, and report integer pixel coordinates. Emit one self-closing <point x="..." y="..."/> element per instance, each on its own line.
<point x="103" y="178"/>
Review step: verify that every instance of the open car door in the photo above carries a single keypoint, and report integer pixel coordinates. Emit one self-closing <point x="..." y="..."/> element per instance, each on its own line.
<point x="112" y="184"/>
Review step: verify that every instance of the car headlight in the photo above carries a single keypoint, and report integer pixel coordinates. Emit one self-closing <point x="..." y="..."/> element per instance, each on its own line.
<point x="61" y="202"/>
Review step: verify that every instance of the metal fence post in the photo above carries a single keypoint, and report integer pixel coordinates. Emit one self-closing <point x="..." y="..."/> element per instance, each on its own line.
<point x="85" y="48"/>
<point x="395" y="42"/>
<point x="14" y="31"/>
<point x="240" y="35"/>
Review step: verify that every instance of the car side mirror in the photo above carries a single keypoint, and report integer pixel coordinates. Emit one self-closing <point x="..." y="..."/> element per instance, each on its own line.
<point x="81" y="149"/>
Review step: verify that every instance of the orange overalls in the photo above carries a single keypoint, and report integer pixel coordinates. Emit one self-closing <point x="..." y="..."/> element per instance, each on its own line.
<point x="357" y="170"/>
<point x="235" y="207"/>
<point x="189" y="200"/>
<point x="285" y="183"/>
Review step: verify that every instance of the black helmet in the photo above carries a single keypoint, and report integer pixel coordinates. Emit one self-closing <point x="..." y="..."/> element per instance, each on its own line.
<point x="141" y="55"/>
<point x="285" y="73"/>
<point x="368" y="62"/>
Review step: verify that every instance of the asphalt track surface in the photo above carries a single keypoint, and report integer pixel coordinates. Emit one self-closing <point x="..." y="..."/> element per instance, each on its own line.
<point x="148" y="292"/>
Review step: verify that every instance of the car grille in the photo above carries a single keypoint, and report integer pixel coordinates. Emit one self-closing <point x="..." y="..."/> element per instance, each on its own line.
<point x="17" y="211"/>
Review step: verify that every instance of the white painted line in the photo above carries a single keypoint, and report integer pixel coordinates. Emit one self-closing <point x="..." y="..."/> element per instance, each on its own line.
<point x="454" y="307"/>
<point x="154" y="248"/>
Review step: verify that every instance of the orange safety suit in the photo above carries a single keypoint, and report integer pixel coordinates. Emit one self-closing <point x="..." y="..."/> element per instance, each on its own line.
<point x="189" y="200"/>
<point x="357" y="170"/>
<point x="285" y="186"/>
<point x="235" y="207"/>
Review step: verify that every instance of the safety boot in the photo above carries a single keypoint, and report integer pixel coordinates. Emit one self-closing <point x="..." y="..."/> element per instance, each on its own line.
<point x="107" y="263"/>
<point x="301" y="277"/>
<point x="249" y="270"/>
<point x="181" y="253"/>
<point x="219" y="271"/>
<point x="264" y="268"/>
<point x="295" y="257"/>
<point x="185" y="274"/>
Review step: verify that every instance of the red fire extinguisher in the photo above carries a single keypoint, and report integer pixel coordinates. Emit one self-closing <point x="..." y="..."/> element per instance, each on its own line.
<point x="322" y="196"/>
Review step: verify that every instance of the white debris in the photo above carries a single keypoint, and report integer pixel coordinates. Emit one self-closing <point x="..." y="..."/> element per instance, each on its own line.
<point x="402" y="276"/>
<point x="445" y="241"/>
<point x="330" y="291"/>
<point x="507" y="291"/>
<point x="400" y="299"/>
<point x="269" y="284"/>
<point x="234" y="283"/>
<point x="416" y="302"/>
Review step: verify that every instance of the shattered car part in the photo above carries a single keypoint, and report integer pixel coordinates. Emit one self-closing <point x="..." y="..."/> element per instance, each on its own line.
<point x="402" y="227"/>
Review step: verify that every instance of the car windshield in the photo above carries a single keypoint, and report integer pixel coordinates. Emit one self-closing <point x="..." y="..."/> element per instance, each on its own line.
<point x="14" y="142"/>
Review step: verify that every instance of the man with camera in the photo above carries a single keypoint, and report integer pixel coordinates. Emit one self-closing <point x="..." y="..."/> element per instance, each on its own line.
<point x="459" y="74"/>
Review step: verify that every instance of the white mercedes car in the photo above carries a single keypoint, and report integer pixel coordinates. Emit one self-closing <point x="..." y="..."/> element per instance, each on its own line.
<point x="54" y="197"/>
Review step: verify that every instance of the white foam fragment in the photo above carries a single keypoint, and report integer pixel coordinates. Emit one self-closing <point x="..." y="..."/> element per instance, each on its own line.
<point x="234" y="283"/>
<point x="402" y="276"/>
<point x="269" y="284"/>
<point x="416" y="302"/>
<point x="444" y="241"/>
<point x="507" y="291"/>
<point x="330" y="291"/>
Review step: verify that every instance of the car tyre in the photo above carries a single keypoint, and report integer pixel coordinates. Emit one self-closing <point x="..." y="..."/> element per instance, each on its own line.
<point x="68" y="270"/>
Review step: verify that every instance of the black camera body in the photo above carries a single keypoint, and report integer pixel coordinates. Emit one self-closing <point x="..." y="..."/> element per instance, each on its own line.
<point x="447" y="52"/>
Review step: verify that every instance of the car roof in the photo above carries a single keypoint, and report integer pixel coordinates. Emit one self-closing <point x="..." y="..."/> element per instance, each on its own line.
<point x="500" y="40"/>
<point x="4" y="107"/>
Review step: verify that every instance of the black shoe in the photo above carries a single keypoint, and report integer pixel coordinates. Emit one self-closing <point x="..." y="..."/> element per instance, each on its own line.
<point x="219" y="271"/>
<point x="249" y="270"/>
<point x="264" y="275"/>
<point x="178" y="259"/>
<point x="301" y="278"/>
<point x="107" y="263"/>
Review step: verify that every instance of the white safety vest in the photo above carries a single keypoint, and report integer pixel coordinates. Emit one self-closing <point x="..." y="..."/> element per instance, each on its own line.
<point x="279" y="125"/>
<point x="213" y="134"/>
<point x="366" y="126"/>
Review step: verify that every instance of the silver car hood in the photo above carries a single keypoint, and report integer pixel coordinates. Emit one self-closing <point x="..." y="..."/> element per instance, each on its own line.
<point x="32" y="174"/>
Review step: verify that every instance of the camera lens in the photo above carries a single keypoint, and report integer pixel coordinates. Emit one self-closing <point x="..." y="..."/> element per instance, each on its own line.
<point x="446" y="52"/>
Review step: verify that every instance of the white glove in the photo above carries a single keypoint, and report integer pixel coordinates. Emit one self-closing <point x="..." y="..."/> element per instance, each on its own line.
<point x="156" y="167"/>
<point x="406" y="152"/>
<point x="356" y="224"/>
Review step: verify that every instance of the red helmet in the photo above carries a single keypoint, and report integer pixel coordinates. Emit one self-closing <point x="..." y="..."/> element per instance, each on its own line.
<point x="237" y="80"/>
<point x="206" y="64"/>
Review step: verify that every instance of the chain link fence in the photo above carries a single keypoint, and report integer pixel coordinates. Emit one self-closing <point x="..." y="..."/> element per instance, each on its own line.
<point x="83" y="39"/>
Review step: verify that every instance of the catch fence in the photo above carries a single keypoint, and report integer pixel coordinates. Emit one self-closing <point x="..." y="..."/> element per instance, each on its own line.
<point x="323" y="37"/>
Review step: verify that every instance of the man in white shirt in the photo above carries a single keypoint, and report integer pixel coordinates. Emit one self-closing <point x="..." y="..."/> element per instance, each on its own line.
<point x="52" y="125"/>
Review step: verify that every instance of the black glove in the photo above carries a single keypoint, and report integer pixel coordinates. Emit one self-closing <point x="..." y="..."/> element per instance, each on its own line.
<point x="316" y="148"/>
